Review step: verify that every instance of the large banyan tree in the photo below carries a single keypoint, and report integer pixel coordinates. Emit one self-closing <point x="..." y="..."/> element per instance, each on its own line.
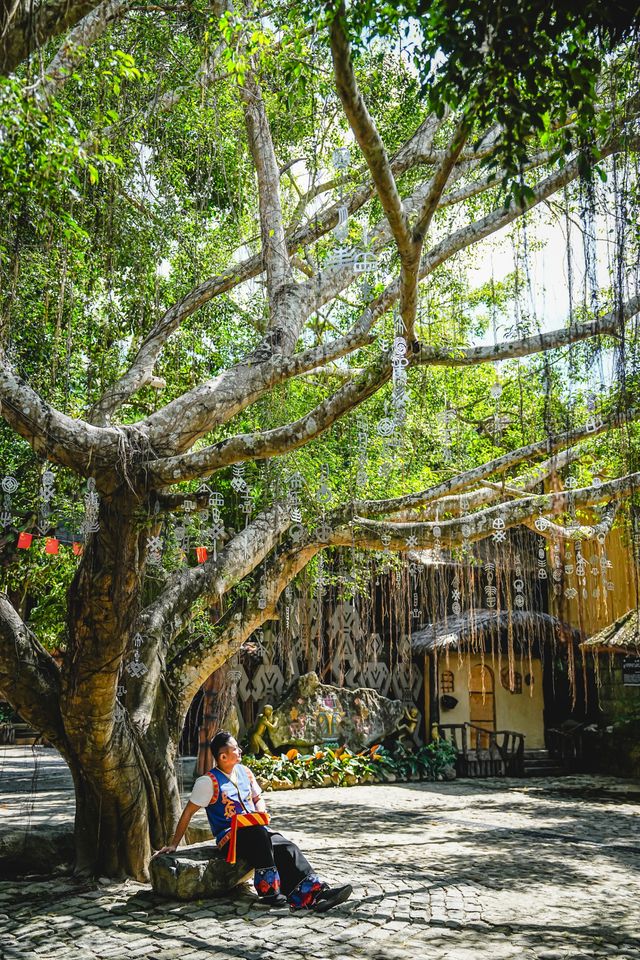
<point x="237" y="334"/>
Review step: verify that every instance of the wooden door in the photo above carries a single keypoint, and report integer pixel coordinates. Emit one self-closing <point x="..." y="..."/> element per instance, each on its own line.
<point x="482" y="704"/>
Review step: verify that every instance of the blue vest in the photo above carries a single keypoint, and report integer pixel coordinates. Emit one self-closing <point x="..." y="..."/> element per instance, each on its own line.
<point x="226" y="799"/>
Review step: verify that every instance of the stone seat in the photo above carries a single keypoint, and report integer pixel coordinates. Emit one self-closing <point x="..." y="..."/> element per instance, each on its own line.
<point x="196" y="872"/>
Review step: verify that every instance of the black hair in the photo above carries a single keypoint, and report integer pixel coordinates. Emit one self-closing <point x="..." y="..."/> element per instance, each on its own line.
<point x="219" y="742"/>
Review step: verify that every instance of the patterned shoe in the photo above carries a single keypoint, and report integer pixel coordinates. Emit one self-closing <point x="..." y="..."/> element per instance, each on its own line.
<point x="331" y="897"/>
<point x="273" y="900"/>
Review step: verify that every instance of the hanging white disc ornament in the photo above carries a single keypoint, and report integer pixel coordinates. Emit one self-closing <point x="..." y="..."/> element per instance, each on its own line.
<point x="341" y="158"/>
<point x="385" y="426"/>
<point x="499" y="535"/>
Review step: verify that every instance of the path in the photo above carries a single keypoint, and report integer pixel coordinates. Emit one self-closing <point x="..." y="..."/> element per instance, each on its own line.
<point x="473" y="869"/>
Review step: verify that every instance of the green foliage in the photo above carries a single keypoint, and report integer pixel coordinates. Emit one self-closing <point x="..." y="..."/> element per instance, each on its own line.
<point x="517" y="64"/>
<point x="7" y="714"/>
<point x="115" y="207"/>
<point x="341" y="767"/>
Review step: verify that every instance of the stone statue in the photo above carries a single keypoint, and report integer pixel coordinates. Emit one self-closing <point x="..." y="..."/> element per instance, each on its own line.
<point x="260" y="730"/>
<point x="407" y="728"/>
<point x="312" y="713"/>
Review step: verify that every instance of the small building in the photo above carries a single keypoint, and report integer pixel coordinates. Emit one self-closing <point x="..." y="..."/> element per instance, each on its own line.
<point x="488" y="683"/>
<point x="614" y="742"/>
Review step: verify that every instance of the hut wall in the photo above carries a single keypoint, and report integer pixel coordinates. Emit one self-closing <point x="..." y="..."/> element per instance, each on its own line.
<point x="521" y="712"/>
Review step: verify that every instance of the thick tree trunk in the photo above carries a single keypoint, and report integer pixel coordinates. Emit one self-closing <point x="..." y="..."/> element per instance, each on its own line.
<point x="125" y="807"/>
<point x="123" y="769"/>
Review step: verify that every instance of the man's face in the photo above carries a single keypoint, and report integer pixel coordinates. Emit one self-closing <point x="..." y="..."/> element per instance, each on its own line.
<point x="231" y="754"/>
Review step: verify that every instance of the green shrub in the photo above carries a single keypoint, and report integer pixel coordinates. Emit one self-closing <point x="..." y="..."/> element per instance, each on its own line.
<point x="341" y="767"/>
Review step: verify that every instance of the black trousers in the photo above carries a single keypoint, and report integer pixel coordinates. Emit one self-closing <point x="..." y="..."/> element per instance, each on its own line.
<point x="261" y="847"/>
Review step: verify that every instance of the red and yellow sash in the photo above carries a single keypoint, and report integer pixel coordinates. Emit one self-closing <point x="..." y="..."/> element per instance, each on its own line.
<point x="243" y="820"/>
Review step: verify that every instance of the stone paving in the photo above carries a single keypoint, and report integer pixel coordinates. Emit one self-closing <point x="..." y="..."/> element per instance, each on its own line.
<point x="535" y="869"/>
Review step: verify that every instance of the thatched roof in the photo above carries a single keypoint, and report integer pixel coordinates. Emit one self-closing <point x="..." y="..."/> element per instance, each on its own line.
<point x="480" y="626"/>
<point x="622" y="636"/>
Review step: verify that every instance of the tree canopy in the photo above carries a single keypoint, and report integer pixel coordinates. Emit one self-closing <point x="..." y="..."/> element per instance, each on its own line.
<point x="239" y="330"/>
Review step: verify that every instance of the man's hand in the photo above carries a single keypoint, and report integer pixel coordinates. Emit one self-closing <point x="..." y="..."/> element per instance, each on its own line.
<point x="170" y="848"/>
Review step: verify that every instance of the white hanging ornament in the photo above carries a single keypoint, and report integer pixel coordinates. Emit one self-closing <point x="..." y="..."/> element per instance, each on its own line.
<point x="341" y="158"/>
<point x="323" y="493"/>
<point x="136" y="668"/>
<point x="238" y="483"/>
<point x="9" y="487"/>
<point x="341" y="231"/>
<point x="499" y="535"/>
<point x="154" y="550"/>
<point x="385" y="426"/>
<point x="44" y="505"/>
<point x="490" y="590"/>
<point x="216" y="530"/>
<point x="91" y="523"/>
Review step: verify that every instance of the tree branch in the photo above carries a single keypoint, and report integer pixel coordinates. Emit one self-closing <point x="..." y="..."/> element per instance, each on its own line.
<point x="76" y="43"/>
<point x="270" y="443"/>
<point x="439" y="181"/>
<point x="367" y="136"/>
<point x="525" y="346"/>
<point x="164" y="619"/>
<point x="274" y="247"/>
<point x="143" y="364"/>
<point x="53" y="435"/>
<point x="243" y="385"/>
<point x="492" y="492"/>
<point x="463" y="480"/>
<point x="29" y="677"/>
<point x="25" y="26"/>
<point x="191" y="666"/>
<point x="499" y="218"/>
<point x="479" y="525"/>
<point x="582" y="531"/>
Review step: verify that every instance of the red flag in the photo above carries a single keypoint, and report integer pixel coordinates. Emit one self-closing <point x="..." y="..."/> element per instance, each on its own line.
<point x="24" y="540"/>
<point x="77" y="548"/>
<point x="52" y="545"/>
<point x="201" y="554"/>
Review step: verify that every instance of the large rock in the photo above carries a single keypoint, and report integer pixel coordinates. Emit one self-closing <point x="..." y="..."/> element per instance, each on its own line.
<point x="314" y="713"/>
<point x="196" y="872"/>
<point x="38" y="849"/>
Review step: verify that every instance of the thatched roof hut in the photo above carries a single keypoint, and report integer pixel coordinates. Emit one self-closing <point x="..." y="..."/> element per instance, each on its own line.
<point x="479" y="629"/>
<point x="622" y="636"/>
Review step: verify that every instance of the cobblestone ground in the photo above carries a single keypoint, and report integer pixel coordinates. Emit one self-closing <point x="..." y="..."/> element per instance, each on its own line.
<point x="494" y="869"/>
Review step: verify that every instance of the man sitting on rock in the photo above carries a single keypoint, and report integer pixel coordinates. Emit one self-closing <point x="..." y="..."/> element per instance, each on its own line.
<point x="238" y="818"/>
